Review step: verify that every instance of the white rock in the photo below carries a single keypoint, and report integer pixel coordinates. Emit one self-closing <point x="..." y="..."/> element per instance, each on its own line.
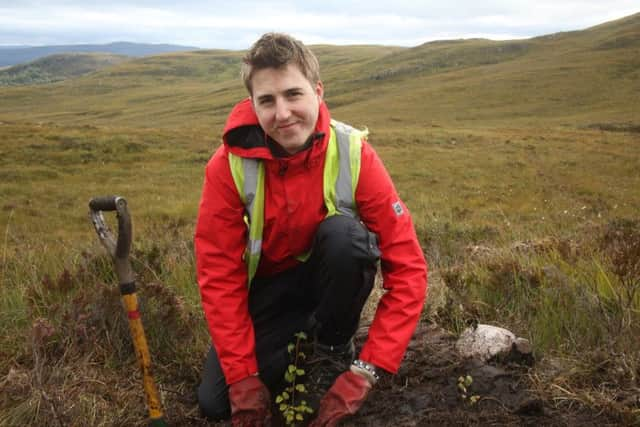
<point x="485" y="342"/>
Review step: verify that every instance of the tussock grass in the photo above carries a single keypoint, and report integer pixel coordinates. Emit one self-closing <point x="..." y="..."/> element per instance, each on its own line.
<point x="69" y="356"/>
<point x="573" y="296"/>
<point x="526" y="230"/>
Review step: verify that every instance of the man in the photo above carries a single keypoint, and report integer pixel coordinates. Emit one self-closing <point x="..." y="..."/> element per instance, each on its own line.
<point x="296" y="210"/>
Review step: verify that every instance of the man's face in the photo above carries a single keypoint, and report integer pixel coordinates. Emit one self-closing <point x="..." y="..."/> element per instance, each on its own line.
<point x="286" y="104"/>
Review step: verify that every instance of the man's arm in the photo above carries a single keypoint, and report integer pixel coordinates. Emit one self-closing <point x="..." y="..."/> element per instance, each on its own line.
<point x="220" y="241"/>
<point x="404" y="269"/>
<point x="405" y="277"/>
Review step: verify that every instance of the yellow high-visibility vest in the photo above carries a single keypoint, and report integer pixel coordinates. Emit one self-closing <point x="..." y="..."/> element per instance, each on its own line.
<point x="340" y="180"/>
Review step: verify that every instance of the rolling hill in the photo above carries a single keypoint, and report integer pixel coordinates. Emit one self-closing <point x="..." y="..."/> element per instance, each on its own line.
<point x="578" y="78"/>
<point x="565" y="77"/>
<point x="57" y="67"/>
<point x="13" y="55"/>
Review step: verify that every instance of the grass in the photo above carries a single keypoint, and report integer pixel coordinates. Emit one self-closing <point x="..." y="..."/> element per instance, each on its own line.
<point x="519" y="165"/>
<point x="509" y="217"/>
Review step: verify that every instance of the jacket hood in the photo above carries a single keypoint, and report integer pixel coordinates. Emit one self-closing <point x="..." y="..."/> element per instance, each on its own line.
<point x="244" y="137"/>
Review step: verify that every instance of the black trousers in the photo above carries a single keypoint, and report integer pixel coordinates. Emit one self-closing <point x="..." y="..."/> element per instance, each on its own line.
<point x="324" y="297"/>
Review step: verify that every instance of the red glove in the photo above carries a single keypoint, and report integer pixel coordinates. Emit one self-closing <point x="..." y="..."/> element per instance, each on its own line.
<point x="250" y="403"/>
<point x="344" y="398"/>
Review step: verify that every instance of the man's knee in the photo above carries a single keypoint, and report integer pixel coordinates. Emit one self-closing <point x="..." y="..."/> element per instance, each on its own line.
<point x="342" y="237"/>
<point x="213" y="394"/>
<point x="213" y="406"/>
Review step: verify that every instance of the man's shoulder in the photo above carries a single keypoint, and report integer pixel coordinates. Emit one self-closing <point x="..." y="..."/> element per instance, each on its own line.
<point x="343" y="126"/>
<point x="348" y="130"/>
<point x="219" y="159"/>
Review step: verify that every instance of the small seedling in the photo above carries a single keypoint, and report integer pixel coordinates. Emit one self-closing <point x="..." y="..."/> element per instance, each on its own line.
<point x="464" y="385"/>
<point x="293" y="408"/>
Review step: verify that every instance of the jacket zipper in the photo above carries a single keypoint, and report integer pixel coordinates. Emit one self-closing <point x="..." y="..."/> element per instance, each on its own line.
<point x="283" y="168"/>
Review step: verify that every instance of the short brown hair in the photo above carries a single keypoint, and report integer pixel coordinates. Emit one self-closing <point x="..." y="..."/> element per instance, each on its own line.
<point x="277" y="50"/>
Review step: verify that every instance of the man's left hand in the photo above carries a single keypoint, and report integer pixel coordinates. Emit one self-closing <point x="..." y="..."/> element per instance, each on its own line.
<point x="345" y="397"/>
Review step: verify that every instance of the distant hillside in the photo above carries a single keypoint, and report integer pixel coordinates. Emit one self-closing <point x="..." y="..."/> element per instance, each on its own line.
<point x="13" y="55"/>
<point x="57" y="67"/>
<point x="569" y="77"/>
<point x="579" y="78"/>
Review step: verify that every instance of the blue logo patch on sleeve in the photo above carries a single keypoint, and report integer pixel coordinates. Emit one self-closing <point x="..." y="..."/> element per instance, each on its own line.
<point x="397" y="207"/>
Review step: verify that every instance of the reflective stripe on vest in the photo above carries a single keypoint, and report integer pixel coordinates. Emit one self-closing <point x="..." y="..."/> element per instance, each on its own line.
<point x="340" y="180"/>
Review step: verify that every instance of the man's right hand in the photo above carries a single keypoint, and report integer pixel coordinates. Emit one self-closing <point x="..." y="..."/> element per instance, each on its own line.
<point x="344" y="398"/>
<point x="250" y="403"/>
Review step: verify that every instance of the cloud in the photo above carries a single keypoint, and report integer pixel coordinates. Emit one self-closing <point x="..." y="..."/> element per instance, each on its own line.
<point x="236" y="24"/>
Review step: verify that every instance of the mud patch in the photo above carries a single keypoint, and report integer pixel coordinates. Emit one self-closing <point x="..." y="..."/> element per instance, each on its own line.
<point x="425" y="391"/>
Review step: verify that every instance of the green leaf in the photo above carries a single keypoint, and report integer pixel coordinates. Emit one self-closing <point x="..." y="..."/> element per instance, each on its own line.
<point x="300" y="335"/>
<point x="285" y="395"/>
<point x="468" y="380"/>
<point x="300" y="388"/>
<point x="289" y="377"/>
<point x="299" y="417"/>
<point x="292" y="368"/>
<point x="290" y="348"/>
<point x="300" y="371"/>
<point x="283" y="407"/>
<point x="279" y="399"/>
<point x="289" y="418"/>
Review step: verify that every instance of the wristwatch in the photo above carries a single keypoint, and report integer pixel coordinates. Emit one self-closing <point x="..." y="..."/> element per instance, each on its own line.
<point x="365" y="369"/>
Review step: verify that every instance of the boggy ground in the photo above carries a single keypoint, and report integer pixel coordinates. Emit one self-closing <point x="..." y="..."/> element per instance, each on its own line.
<point x="425" y="392"/>
<point x="82" y="371"/>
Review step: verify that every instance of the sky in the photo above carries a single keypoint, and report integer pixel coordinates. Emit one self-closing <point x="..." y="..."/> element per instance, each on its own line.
<point x="236" y="24"/>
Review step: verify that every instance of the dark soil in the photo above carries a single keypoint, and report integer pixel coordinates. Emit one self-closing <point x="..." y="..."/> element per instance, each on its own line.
<point x="425" y="393"/>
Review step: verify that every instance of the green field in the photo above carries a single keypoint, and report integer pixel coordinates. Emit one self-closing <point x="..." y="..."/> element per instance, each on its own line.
<point x="519" y="160"/>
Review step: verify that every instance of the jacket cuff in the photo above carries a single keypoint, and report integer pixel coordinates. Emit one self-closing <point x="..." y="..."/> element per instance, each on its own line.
<point x="241" y="372"/>
<point x="368" y="356"/>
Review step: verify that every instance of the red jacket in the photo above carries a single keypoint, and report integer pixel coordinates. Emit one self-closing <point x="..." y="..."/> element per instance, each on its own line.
<point x="294" y="208"/>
